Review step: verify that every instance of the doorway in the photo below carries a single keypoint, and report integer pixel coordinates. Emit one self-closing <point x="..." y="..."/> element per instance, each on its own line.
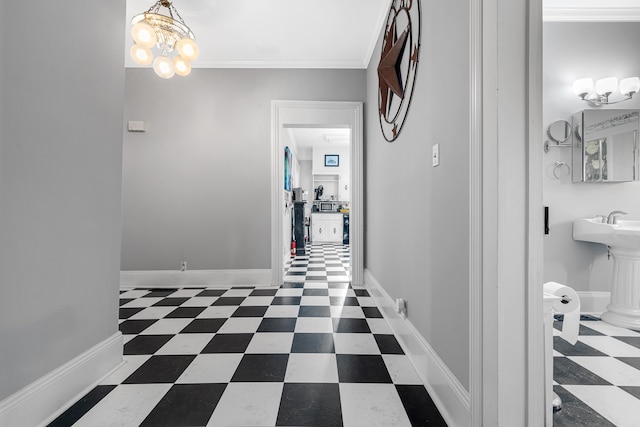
<point x="286" y="115"/>
<point x="317" y="243"/>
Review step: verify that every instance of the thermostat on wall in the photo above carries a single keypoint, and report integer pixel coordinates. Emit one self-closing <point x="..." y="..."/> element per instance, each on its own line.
<point x="136" y="126"/>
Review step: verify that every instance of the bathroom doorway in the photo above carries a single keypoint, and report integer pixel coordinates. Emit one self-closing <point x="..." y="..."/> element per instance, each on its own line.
<point x="287" y="115"/>
<point x="595" y="30"/>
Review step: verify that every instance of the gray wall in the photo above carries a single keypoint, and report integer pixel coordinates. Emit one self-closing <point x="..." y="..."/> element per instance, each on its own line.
<point x="196" y="185"/>
<point x="416" y="216"/>
<point x="571" y="51"/>
<point x="60" y="181"/>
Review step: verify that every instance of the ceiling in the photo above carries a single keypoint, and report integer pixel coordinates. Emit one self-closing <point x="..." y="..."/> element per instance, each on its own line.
<point x="306" y="138"/>
<point x="277" y="33"/>
<point x="318" y="33"/>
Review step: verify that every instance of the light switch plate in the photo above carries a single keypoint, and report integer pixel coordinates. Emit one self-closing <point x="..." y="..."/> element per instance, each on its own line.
<point x="136" y="126"/>
<point x="435" y="156"/>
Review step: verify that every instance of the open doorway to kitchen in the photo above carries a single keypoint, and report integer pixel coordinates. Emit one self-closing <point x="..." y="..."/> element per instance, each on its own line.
<point x="317" y="203"/>
<point x="316" y="189"/>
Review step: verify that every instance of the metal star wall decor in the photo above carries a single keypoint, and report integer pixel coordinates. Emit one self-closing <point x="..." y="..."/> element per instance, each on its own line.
<point x="398" y="65"/>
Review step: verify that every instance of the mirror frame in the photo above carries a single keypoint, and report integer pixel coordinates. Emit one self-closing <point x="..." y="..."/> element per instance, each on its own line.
<point x="554" y="128"/>
<point x="584" y="120"/>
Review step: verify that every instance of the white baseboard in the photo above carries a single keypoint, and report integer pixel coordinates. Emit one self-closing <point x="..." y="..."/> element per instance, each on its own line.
<point x="594" y="302"/>
<point x="451" y="398"/>
<point x="41" y="401"/>
<point x="195" y="278"/>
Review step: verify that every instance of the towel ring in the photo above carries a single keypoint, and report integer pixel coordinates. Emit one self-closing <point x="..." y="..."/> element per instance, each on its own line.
<point x="559" y="168"/>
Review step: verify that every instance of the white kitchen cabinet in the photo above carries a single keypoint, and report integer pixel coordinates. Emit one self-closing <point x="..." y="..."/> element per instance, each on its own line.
<point x="344" y="189"/>
<point x="326" y="228"/>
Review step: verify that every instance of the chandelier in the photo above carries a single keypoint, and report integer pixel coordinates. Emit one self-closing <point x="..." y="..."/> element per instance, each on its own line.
<point x="168" y="33"/>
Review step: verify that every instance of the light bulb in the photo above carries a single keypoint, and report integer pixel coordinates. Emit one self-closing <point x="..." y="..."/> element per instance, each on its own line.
<point x="629" y="86"/>
<point x="141" y="55"/>
<point x="583" y="87"/>
<point x="144" y="34"/>
<point x="607" y="85"/>
<point x="188" y="49"/>
<point x="163" y="67"/>
<point x="183" y="67"/>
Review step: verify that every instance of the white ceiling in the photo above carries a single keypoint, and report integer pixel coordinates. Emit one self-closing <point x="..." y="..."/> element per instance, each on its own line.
<point x="304" y="139"/>
<point x="277" y="33"/>
<point x="318" y="33"/>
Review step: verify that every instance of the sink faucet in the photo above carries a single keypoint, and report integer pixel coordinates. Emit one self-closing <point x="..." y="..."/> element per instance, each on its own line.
<point x="611" y="219"/>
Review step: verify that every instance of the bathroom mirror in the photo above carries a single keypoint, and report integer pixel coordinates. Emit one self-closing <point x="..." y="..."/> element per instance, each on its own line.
<point x="605" y="144"/>
<point x="559" y="131"/>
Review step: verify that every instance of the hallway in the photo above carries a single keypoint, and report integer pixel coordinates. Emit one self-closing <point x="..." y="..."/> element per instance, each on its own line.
<point x="314" y="352"/>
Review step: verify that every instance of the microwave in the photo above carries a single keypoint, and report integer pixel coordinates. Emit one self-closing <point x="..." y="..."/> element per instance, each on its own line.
<point x="327" y="206"/>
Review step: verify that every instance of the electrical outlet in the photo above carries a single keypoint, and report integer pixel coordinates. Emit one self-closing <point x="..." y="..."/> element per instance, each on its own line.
<point x="401" y="307"/>
<point x="183" y="266"/>
<point x="435" y="155"/>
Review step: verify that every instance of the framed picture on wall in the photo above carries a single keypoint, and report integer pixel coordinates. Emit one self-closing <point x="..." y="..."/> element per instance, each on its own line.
<point x="332" y="160"/>
<point x="287" y="169"/>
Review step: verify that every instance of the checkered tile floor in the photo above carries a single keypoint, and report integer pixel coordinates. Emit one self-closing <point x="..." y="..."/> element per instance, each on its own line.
<point x="328" y="263"/>
<point x="314" y="352"/>
<point x="598" y="379"/>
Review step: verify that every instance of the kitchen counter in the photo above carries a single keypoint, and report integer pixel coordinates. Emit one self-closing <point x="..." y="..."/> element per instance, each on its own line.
<point x="330" y="212"/>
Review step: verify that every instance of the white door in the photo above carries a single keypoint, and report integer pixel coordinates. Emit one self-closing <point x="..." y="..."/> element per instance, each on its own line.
<point x="318" y="230"/>
<point x="334" y="229"/>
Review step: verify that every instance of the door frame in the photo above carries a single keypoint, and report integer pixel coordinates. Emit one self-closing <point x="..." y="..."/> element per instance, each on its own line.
<point x="537" y="411"/>
<point x="317" y="114"/>
<point x="506" y="372"/>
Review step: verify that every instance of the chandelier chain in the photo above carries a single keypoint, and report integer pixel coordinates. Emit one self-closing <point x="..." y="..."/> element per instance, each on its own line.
<point x="169" y="6"/>
<point x="155" y="8"/>
<point x="177" y="13"/>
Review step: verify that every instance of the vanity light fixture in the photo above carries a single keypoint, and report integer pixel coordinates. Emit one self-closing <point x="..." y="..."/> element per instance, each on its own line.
<point x="168" y="32"/>
<point x="584" y="88"/>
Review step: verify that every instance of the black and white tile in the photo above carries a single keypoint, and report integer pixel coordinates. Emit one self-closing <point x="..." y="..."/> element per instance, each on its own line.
<point x="598" y="379"/>
<point x="314" y="352"/>
<point x="324" y="263"/>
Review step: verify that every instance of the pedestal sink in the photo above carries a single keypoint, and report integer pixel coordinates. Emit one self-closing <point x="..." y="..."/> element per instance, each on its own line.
<point x="623" y="240"/>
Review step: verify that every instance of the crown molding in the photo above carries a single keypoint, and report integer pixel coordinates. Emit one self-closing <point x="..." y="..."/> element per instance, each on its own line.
<point x="333" y="64"/>
<point x="315" y="64"/>
<point x="591" y="11"/>
<point x="380" y="22"/>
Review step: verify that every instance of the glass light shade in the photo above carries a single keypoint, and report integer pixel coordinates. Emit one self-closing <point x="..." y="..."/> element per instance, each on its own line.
<point x="630" y="85"/>
<point x="188" y="49"/>
<point x="583" y="87"/>
<point x="144" y="34"/>
<point x="183" y="67"/>
<point x="164" y="67"/>
<point x="141" y="55"/>
<point x="608" y="85"/>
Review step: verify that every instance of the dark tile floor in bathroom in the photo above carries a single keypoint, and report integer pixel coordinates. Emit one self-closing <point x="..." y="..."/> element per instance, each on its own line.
<point x="598" y="379"/>
<point x="314" y="352"/>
